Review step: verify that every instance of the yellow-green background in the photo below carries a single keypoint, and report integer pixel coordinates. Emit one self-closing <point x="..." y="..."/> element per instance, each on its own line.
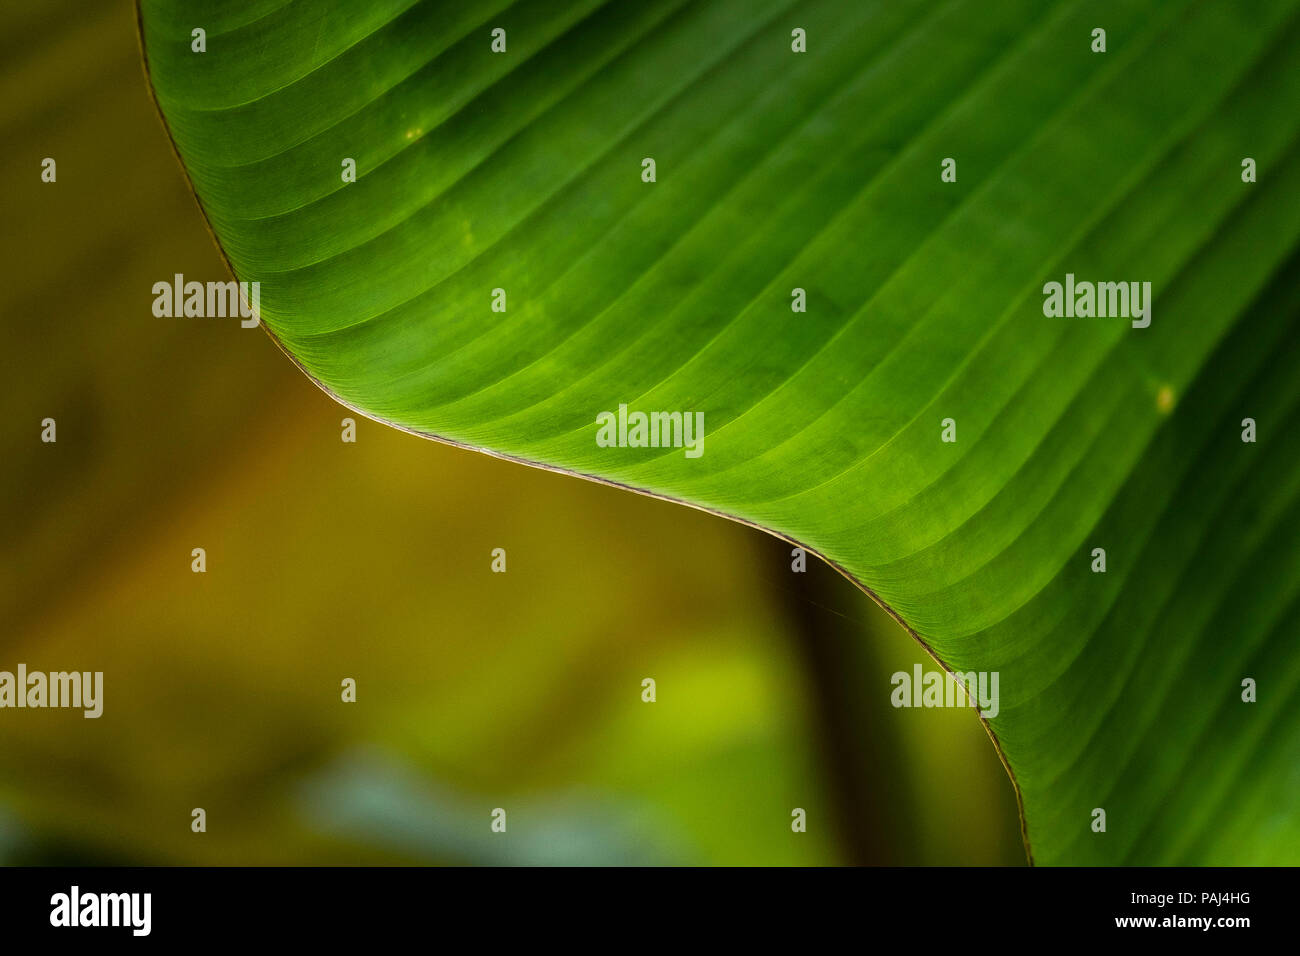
<point x="329" y="560"/>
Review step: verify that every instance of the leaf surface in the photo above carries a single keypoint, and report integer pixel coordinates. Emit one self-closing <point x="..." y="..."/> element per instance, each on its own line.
<point x="820" y="171"/>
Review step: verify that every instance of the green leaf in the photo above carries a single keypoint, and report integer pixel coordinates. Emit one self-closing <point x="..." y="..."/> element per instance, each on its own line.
<point x="775" y="170"/>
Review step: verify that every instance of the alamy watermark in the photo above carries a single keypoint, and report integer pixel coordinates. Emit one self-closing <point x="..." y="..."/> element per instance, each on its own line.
<point x="75" y="689"/>
<point x="941" y="689"/>
<point x="1086" y="300"/>
<point x="75" y="909"/>
<point x="181" y="299"/>
<point x="652" y="430"/>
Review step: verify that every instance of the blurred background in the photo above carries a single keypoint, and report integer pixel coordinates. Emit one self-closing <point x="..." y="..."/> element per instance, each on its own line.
<point x="372" y="561"/>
